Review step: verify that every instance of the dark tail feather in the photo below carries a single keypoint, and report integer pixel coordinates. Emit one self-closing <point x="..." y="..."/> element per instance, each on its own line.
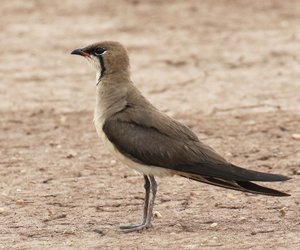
<point x="229" y="172"/>
<point x="254" y="188"/>
<point x="244" y="186"/>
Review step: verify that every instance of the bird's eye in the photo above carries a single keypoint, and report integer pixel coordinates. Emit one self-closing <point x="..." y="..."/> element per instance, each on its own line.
<point x="99" y="51"/>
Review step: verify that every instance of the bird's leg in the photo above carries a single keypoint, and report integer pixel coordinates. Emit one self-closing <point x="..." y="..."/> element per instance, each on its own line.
<point x="146" y="203"/>
<point x="149" y="211"/>
<point x="147" y="197"/>
<point x="153" y="186"/>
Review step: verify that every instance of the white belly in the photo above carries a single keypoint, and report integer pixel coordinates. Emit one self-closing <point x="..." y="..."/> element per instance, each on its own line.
<point x="148" y="170"/>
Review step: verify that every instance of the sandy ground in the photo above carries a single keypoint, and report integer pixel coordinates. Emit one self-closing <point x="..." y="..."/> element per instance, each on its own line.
<point x="228" y="69"/>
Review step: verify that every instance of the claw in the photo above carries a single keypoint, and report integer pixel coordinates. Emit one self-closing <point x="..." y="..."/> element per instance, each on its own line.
<point x="132" y="228"/>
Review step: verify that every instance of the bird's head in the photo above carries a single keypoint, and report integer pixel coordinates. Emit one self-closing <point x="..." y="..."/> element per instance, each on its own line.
<point x="106" y="57"/>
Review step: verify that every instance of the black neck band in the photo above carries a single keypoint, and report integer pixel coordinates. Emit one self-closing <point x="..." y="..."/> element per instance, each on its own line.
<point x="102" y="67"/>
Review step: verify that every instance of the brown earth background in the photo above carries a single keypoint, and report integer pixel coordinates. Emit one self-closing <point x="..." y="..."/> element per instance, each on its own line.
<point x="228" y="69"/>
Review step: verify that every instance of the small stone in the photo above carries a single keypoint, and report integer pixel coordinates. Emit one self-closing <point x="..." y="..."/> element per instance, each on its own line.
<point x="20" y="202"/>
<point x="63" y="119"/>
<point x="282" y="211"/>
<point x="228" y="155"/>
<point x="71" y="154"/>
<point x="214" y="224"/>
<point x="296" y="136"/>
<point x="231" y="196"/>
<point x="157" y="214"/>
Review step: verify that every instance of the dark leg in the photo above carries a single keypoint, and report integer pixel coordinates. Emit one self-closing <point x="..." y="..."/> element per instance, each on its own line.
<point x="153" y="186"/>
<point x="148" y="207"/>
<point x="146" y="203"/>
<point x="147" y="196"/>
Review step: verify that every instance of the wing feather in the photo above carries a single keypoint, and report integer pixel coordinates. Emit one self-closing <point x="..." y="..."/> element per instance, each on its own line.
<point x="149" y="146"/>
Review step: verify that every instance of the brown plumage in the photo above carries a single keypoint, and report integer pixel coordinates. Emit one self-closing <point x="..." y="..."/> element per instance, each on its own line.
<point x="152" y="143"/>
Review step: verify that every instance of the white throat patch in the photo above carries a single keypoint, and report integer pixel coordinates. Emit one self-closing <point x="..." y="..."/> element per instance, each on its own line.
<point x="94" y="62"/>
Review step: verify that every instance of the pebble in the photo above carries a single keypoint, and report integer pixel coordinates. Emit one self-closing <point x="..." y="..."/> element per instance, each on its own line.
<point x="21" y="202"/>
<point x="157" y="214"/>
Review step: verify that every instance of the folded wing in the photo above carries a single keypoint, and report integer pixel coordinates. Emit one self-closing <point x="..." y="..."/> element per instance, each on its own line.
<point x="189" y="158"/>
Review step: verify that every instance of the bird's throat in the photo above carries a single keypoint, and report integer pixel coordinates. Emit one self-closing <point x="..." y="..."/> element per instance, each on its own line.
<point x="110" y="99"/>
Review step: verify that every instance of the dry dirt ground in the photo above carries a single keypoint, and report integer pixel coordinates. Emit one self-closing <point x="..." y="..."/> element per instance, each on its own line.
<point x="228" y="69"/>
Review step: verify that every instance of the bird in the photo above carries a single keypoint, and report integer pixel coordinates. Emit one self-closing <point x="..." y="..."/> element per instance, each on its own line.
<point x="152" y="143"/>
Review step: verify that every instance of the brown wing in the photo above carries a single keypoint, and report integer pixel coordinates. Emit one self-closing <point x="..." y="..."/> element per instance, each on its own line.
<point x="149" y="146"/>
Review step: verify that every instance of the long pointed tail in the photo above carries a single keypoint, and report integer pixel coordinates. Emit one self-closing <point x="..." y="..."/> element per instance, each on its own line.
<point x="244" y="186"/>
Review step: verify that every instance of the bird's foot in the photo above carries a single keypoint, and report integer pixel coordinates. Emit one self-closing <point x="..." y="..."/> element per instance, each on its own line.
<point x="135" y="227"/>
<point x="129" y="226"/>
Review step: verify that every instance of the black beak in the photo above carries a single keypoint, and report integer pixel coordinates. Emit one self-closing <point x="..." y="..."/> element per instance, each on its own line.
<point x="79" y="52"/>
